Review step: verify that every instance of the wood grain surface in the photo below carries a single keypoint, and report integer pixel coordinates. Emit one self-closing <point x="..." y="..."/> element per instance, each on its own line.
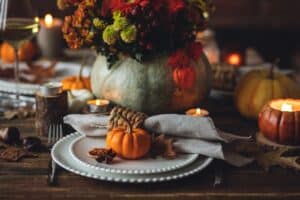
<point x="28" y="179"/>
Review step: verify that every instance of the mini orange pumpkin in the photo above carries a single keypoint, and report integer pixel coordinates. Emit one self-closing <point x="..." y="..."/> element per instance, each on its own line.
<point x="76" y="82"/>
<point x="26" y="52"/>
<point x="128" y="142"/>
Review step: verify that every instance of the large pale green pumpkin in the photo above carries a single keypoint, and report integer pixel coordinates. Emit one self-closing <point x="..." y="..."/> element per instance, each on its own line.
<point x="148" y="87"/>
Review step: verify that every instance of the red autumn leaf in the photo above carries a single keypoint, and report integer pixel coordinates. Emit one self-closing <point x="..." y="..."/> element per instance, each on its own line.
<point x="185" y="77"/>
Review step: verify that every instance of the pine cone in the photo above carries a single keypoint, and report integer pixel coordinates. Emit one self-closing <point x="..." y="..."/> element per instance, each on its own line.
<point x="136" y="119"/>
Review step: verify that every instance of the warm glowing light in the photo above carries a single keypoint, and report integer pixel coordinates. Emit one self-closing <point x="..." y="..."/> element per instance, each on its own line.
<point x="287" y="107"/>
<point x="98" y="102"/>
<point x="235" y="59"/>
<point x="197" y="112"/>
<point x="48" y="20"/>
<point x="36" y="19"/>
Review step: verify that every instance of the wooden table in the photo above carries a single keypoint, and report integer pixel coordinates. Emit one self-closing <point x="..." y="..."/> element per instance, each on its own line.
<point x="27" y="179"/>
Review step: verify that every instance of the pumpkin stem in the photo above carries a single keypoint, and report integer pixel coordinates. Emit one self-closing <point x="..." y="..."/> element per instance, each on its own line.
<point x="129" y="126"/>
<point x="274" y="63"/>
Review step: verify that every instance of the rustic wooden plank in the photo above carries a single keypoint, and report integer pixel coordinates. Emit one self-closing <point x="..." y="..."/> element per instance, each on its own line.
<point x="28" y="177"/>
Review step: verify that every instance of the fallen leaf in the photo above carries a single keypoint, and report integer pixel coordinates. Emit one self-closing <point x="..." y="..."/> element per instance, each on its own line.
<point x="162" y="146"/>
<point x="13" y="154"/>
<point x="277" y="158"/>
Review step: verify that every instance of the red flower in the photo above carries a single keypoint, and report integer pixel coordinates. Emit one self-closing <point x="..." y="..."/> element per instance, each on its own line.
<point x="194" y="50"/>
<point x="175" y="5"/>
<point x="179" y="59"/>
<point x="109" y="5"/>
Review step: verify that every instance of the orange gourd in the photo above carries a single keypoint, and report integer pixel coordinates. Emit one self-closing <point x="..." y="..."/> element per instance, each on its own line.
<point x="26" y="52"/>
<point x="128" y="142"/>
<point x="76" y="82"/>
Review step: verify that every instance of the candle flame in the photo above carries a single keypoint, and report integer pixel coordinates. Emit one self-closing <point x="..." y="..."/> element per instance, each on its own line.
<point x="287" y="107"/>
<point x="198" y="111"/>
<point x="36" y="19"/>
<point x="101" y="102"/>
<point x="234" y="59"/>
<point x="48" y="20"/>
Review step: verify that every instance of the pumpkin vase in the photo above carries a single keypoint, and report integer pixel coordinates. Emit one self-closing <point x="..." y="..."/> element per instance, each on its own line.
<point x="150" y="87"/>
<point x="279" y="125"/>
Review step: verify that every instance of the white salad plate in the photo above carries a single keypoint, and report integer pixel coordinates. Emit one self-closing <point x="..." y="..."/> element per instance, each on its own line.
<point x="80" y="147"/>
<point x="61" y="155"/>
<point x="62" y="69"/>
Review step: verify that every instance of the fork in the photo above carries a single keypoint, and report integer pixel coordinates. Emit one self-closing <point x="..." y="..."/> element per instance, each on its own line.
<point x="3" y="13"/>
<point x="54" y="134"/>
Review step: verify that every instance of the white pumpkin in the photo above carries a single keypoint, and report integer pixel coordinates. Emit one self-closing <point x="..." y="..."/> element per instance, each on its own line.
<point x="148" y="87"/>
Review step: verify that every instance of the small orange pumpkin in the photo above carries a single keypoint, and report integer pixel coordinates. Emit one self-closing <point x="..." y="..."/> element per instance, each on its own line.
<point x="128" y="142"/>
<point x="76" y="82"/>
<point x="26" y="52"/>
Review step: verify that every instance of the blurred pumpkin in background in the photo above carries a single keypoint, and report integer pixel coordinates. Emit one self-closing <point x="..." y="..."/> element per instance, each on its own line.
<point x="258" y="87"/>
<point x="26" y="52"/>
<point x="78" y="82"/>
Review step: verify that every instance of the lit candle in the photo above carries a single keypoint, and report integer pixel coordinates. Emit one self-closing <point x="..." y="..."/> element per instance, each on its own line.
<point x="234" y="59"/>
<point x="279" y="121"/>
<point x="197" y="112"/>
<point x="98" y="105"/>
<point x="50" y="38"/>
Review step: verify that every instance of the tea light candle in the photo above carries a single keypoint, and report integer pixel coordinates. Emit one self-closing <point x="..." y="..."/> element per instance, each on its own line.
<point x="98" y="105"/>
<point x="197" y="112"/>
<point x="49" y="38"/>
<point x="279" y="121"/>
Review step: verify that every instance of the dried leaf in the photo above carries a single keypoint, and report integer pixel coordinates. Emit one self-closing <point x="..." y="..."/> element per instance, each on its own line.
<point x="13" y="154"/>
<point x="19" y="113"/>
<point x="162" y="146"/>
<point x="277" y="158"/>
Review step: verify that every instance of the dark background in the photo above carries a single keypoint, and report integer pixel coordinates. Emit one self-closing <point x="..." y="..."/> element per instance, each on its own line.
<point x="271" y="26"/>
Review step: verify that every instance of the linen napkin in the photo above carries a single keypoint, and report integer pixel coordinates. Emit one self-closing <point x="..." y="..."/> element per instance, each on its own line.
<point x="196" y="135"/>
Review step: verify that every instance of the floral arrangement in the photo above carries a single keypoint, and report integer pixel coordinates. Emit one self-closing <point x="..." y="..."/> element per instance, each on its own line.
<point x="140" y="29"/>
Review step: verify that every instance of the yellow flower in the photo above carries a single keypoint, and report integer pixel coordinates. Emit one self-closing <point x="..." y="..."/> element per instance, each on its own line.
<point x="128" y="35"/>
<point x="110" y="35"/>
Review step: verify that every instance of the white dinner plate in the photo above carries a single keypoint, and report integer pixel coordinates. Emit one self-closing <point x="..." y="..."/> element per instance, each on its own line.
<point x="82" y="145"/>
<point x="61" y="155"/>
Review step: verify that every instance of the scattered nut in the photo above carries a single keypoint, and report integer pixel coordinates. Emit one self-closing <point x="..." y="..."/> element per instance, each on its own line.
<point x="102" y="155"/>
<point x="10" y="135"/>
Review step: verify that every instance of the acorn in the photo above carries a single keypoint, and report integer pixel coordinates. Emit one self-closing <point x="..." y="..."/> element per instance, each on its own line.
<point x="10" y="135"/>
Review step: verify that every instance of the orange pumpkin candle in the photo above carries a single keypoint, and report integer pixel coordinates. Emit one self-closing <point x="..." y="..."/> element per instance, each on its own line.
<point x="279" y="121"/>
